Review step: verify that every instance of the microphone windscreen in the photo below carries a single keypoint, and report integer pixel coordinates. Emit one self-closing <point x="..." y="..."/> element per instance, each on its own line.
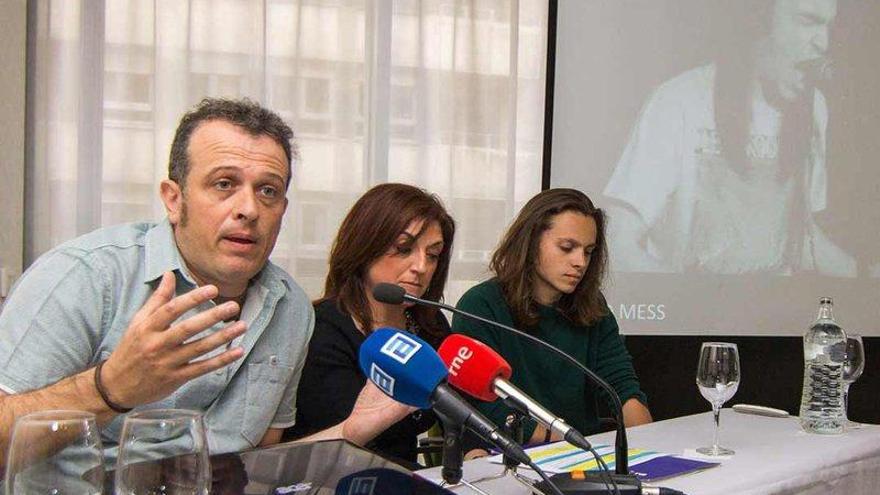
<point x="389" y="293"/>
<point x="402" y="365"/>
<point x="473" y="366"/>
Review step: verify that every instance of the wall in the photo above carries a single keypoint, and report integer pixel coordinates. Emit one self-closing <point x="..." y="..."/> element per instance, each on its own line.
<point x="12" y="107"/>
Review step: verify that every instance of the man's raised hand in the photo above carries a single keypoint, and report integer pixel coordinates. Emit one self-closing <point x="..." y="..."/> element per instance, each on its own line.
<point x="154" y="359"/>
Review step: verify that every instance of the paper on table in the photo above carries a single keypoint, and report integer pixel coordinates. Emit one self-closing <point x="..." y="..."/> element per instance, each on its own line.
<point x="645" y="464"/>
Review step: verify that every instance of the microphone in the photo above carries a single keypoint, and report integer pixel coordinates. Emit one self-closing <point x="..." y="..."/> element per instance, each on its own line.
<point x="408" y="370"/>
<point x="394" y="294"/>
<point x="475" y="368"/>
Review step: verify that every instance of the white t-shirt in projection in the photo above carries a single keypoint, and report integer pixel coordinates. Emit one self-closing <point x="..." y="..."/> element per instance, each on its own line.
<point x="700" y="215"/>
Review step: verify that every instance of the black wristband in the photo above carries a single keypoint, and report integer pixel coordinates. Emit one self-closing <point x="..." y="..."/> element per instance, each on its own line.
<point x="103" y="391"/>
<point x="547" y="435"/>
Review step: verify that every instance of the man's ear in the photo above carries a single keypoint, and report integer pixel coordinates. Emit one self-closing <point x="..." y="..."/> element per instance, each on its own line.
<point x="172" y="198"/>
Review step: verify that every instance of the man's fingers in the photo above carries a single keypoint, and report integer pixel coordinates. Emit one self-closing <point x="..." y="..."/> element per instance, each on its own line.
<point x="163" y="293"/>
<point x="199" y="368"/>
<point x="171" y="310"/>
<point x="204" y="345"/>
<point x="184" y="330"/>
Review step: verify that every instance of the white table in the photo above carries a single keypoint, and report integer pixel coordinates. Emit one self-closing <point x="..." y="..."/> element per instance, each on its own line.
<point x="773" y="455"/>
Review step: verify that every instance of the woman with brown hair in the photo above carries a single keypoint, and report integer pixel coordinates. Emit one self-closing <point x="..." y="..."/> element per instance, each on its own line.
<point x="395" y="233"/>
<point x="548" y="274"/>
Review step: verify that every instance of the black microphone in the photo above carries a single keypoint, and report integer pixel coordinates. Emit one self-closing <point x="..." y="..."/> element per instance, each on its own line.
<point x="394" y="294"/>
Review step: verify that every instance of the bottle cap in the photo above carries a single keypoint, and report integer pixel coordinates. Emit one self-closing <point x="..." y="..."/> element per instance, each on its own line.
<point x="825" y="300"/>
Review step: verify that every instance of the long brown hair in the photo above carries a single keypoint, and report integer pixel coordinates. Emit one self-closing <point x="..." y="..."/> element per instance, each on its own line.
<point x="368" y="231"/>
<point x="514" y="261"/>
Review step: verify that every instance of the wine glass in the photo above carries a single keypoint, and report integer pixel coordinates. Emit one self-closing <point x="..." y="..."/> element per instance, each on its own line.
<point x="163" y="451"/>
<point x="853" y="366"/>
<point x="56" y="452"/>
<point x="718" y="378"/>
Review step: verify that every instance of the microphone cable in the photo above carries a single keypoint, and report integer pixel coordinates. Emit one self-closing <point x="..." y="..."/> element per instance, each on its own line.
<point x="544" y="476"/>
<point x="606" y="473"/>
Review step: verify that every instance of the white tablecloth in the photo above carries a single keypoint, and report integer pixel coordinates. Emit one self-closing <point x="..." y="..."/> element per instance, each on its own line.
<point x="773" y="455"/>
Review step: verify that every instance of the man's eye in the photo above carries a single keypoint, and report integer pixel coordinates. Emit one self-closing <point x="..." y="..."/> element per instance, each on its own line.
<point x="566" y="249"/>
<point x="269" y="191"/>
<point x="223" y="184"/>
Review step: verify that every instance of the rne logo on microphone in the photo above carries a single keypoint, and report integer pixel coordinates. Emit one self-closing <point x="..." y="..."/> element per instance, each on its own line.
<point x="400" y="347"/>
<point x="362" y="486"/>
<point x="382" y="380"/>
<point x="463" y="355"/>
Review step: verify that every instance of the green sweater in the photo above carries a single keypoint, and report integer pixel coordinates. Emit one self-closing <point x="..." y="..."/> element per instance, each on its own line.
<point x="554" y="383"/>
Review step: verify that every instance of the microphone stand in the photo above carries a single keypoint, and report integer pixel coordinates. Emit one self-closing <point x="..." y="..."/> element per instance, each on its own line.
<point x="453" y="457"/>
<point x="513" y="426"/>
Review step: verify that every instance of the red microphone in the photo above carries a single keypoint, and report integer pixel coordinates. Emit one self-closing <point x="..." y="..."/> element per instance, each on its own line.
<point x="473" y="366"/>
<point x="476" y="369"/>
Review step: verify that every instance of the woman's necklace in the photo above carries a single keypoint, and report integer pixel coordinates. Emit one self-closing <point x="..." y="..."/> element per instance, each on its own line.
<point x="411" y="325"/>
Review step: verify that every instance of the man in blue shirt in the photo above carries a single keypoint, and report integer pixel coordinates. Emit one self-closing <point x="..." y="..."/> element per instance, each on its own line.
<point x="186" y="313"/>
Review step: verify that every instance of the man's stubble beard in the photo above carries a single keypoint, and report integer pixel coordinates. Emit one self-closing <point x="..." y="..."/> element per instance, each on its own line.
<point x="184" y="212"/>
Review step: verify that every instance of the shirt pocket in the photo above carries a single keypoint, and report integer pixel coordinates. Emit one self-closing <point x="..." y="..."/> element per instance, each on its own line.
<point x="266" y="383"/>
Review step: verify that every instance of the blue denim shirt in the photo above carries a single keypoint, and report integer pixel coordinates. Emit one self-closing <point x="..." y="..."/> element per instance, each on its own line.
<point x="72" y="307"/>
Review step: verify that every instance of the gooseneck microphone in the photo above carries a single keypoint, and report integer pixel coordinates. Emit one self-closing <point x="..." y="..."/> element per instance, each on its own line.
<point x="478" y="370"/>
<point x="408" y="370"/>
<point x="394" y="294"/>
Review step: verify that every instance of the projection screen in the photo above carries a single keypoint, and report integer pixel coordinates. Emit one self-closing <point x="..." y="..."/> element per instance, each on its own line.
<point x="734" y="147"/>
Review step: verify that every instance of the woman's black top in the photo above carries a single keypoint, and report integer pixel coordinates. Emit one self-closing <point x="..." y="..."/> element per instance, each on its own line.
<point x="332" y="379"/>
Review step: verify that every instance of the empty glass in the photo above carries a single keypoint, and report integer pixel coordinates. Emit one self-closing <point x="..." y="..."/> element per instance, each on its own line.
<point x="717" y="378"/>
<point x="163" y="451"/>
<point x="55" y="452"/>
<point x="853" y="366"/>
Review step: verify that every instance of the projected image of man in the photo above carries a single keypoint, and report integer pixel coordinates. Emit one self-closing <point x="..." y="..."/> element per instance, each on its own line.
<point x="725" y="168"/>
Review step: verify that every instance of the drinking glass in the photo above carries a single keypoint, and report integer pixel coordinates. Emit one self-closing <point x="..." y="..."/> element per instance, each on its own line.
<point x="717" y="378"/>
<point x="55" y="452"/>
<point x="853" y="366"/>
<point x="163" y="451"/>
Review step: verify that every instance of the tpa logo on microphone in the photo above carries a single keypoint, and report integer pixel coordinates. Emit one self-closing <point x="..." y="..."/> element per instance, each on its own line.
<point x="463" y="355"/>
<point x="400" y="347"/>
<point x="383" y="380"/>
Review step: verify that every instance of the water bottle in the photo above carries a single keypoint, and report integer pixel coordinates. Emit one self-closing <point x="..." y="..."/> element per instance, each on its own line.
<point x="822" y="409"/>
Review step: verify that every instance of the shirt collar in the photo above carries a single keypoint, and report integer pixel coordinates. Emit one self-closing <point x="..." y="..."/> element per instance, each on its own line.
<point x="161" y="253"/>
